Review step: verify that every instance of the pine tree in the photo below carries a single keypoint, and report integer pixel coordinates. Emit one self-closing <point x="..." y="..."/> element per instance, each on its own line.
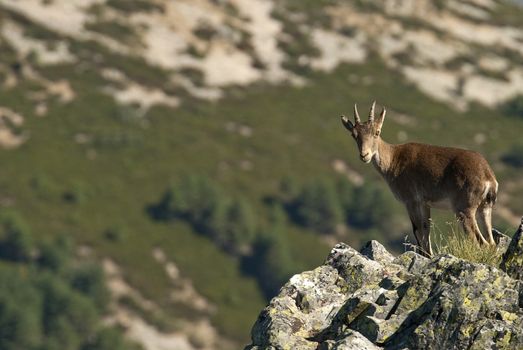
<point x="318" y="207"/>
<point x="241" y="226"/>
<point x="271" y="259"/>
<point x="16" y="242"/>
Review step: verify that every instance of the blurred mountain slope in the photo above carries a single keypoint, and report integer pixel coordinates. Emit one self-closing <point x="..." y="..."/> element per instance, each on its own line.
<point x="104" y="104"/>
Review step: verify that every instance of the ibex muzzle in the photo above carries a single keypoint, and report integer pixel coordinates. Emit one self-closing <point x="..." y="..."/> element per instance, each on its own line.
<point x="423" y="176"/>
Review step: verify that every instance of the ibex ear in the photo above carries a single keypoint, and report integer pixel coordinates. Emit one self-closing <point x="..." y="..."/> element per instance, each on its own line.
<point x="347" y="123"/>
<point x="380" y="119"/>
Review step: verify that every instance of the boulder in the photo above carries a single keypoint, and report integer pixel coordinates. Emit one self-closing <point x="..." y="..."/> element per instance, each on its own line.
<point x="376" y="251"/>
<point x="501" y="239"/>
<point x="512" y="261"/>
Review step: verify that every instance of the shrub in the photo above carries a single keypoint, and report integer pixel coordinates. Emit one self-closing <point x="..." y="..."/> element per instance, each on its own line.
<point x="323" y="204"/>
<point x="78" y="193"/>
<point x="90" y="281"/>
<point x="46" y="302"/>
<point x="20" y="312"/>
<point x="116" y="30"/>
<point x="115" y="233"/>
<point x="230" y="223"/>
<point x="241" y="224"/>
<point x="270" y="260"/>
<point x="131" y="7"/>
<point x="196" y="198"/>
<point x="165" y="208"/>
<point x="108" y="339"/>
<point x="370" y="206"/>
<point x="66" y="315"/>
<point x="54" y="255"/>
<point x="318" y="207"/>
<point x="514" y="156"/>
<point x="289" y="188"/>
<point x="514" y="107"/>
<point x="205" y="31"/>
<point x="16" y="242"/>
<point x="43" y="186"/>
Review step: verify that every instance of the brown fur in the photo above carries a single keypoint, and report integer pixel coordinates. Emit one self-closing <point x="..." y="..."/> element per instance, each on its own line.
<point x="422" y="176"/>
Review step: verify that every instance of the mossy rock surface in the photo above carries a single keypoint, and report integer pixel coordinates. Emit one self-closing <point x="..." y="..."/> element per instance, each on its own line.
<point x="512" y="261"/>
<point x="371" y="300"/>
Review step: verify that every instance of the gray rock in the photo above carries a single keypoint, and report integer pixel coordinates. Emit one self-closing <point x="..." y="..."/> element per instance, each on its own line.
<point x="369" y="300"/>
<point x="451" y="303"/>
<point x="501" y="239"/>
<point x="512" y="261"/>
<point x="411" y="261"/>
<point x="376" y="251"/>
<point x="304" y="307"/>
<point x="350" y="340"/>
<point x="357" y="270"/>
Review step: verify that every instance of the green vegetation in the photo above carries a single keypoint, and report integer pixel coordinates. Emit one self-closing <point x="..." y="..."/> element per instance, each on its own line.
<point x="514" y="156"/>
<point x="318" y="207"/>
<point x="324" y="204"/>
<point x="16" y="244"/>
<point x="372" y="206"/>
<point x="205" y="31"/>
<point x="152" y="317"/>
<point x="130" y="7"/>
<point x="297" y="43"/>
<point x="106" y="339"/>
<point x="514" y="107"/>
<point x="507" y="13"/>
<point x="30" y="28"/>
<point x="47" y="299"/>
<point x="455" y="242"/>
<point x="135" y="68"/>
<point x="229" y="222"/>
<point x="271" y="261"/>
<point x="312" y="9"/>
<point x="115" y="30"/>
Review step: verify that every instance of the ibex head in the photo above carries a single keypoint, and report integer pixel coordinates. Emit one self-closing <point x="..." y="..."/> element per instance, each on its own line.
<point x="366" y="134"/>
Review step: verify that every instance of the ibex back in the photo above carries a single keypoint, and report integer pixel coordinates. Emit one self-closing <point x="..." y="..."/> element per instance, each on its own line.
<point x="424" y="176"/>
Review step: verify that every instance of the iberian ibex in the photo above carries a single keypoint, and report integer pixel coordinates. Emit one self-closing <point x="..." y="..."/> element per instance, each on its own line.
<point x="424" y="176"/>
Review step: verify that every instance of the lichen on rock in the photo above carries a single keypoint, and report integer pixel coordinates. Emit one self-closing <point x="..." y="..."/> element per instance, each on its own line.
<point x="373" y="300"/>
<point x="512" y="261"/>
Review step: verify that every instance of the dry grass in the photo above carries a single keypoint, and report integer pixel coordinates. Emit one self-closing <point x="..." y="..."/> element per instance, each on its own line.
<point x="457" y="243"/>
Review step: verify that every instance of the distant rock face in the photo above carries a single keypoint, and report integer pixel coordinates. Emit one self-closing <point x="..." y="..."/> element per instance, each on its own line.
<point x="371" y="300"/>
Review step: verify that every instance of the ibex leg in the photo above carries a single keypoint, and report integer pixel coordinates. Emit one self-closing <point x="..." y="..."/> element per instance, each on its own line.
<point x="470" y="226"/>
<point x="420" y="218"/>
<point x="484" y="216"/>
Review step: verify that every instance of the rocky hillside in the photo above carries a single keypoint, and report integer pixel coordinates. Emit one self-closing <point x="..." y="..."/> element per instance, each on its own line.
<point x="465" y="51"/>
<point x="373" y="300"/>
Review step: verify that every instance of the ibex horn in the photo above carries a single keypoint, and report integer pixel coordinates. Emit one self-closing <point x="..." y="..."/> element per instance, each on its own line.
<point x="356" y="115"/>
<point x="382" y="114"/>
<point x="371" y="114"/>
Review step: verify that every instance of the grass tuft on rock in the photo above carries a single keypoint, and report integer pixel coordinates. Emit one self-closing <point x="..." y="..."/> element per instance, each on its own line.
<point x="456" y="242"/>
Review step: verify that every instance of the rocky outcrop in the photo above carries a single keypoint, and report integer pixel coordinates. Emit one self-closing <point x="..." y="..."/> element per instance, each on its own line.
<point x="512" y="261"/>
<point x="373" y="300"/>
